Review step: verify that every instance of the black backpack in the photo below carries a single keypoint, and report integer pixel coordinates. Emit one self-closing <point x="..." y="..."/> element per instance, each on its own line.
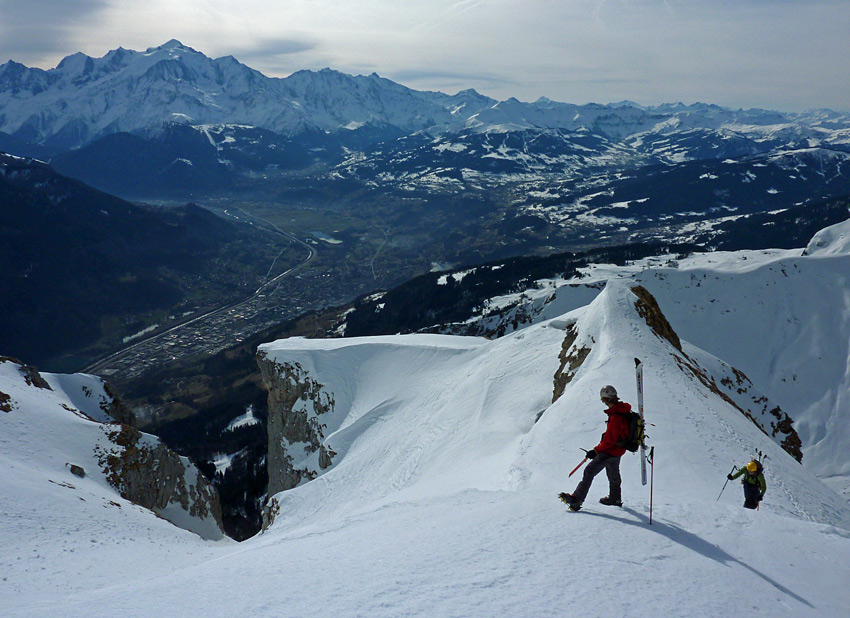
<point x="634" y="440"/>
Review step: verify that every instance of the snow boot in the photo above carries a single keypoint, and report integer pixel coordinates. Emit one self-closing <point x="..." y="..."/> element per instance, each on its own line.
<point x="570" y="500"/>
<point x="609" y="501"/>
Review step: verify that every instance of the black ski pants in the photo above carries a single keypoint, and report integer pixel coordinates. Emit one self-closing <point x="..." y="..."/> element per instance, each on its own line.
<point x="611" y="465"/>
<point x="752" y="495"/>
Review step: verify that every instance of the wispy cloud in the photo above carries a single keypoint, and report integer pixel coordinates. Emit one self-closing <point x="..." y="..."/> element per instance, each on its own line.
<point x="35" y="30"/>
<point x="768" y="53"/>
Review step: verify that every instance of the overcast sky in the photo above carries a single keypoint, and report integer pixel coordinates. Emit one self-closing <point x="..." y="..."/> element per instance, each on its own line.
<point x="777" y="54"/>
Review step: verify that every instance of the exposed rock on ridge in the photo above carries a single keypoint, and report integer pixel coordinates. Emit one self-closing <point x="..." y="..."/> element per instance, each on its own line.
<point x="148" y="473"/>
<point x="296" y="401"/>
<point x="649" y="310"/>
<point x="571" y="356"/>
<point x="69" y="418"/>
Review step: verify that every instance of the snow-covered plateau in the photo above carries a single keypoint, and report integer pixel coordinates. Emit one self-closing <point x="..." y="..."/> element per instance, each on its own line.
<point x="445" y="454"/>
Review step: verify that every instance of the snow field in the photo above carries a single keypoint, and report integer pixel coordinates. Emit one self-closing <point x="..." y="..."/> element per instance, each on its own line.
<point x="496" y="553"/>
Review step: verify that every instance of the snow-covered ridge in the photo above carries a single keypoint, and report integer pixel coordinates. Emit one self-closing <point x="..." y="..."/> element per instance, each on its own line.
<point x="779" y="316"/>
<point x="834" y="240"/>
<point x="441" y="494"/>
<point x="431" y="414"/>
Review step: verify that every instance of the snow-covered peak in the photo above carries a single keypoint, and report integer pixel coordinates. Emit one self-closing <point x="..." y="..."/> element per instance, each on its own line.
<point x="78" y="63"/>
<point x="84" y="98"/>
<point x="173" y="44"/>
<point x="834" y="240"/>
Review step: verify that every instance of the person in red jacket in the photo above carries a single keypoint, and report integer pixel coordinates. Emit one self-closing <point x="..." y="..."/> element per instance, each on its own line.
<point x="605" y="455"/>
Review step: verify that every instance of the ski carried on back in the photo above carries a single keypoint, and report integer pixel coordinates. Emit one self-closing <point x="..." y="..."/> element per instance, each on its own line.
<point x="639" y="378"/>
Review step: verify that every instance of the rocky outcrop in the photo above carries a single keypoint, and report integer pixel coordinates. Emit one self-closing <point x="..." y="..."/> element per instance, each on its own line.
<point x="725" y="381"/>
<point x="78" y="410"/>
<point x="736" y="389"/>
<point x="296" y="440"/>
<point x="148" y="473"/>
<point x="30" y="373"/>
<point x="649" y="310"/>
<point x="115" y="408"/>
<point x="571" y="356"/>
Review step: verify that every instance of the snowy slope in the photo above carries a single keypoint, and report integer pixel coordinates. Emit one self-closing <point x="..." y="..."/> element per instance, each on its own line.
<point x="431" y="414"/>
<point x="87" y="393"/>
<point x="780" y="316"/>
<point x="834" y="240"/>
<point x="52" y="423"/>
<point x="441" y="499"/>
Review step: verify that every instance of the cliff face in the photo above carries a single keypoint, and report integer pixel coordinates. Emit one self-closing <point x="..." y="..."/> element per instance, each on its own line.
<point x="148" y="473"/>
<point x="296" y="403"/>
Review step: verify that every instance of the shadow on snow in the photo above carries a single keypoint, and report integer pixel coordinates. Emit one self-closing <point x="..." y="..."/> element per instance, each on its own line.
<point x="695" y="543"/>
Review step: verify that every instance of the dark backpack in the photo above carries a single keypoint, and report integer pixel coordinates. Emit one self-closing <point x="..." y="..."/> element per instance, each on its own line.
<point x="634" y="439"/>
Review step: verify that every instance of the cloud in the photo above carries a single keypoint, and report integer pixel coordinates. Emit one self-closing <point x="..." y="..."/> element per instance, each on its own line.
<point x="277" y="47"/>
<point x="33" y="30"/>
<point x="768" y="53"/>
<point x="451" y="81"/>
<point x="267" y="56"/>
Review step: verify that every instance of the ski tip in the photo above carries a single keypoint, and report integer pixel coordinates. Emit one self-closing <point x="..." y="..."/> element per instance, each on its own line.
<point x="637" y="362"/>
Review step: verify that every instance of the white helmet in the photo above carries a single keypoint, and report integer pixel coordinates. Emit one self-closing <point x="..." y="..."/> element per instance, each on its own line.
<point x="608" y="392"/>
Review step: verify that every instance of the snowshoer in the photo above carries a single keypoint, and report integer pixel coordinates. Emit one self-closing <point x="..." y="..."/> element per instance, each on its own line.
<point x="605" y="455"/>
<point x="753" y="482"/>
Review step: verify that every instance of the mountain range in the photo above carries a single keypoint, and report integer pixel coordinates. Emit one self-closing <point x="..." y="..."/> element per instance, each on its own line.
<point x="451" y="179"/>
<point x="335" y="118"/>
<point x="85" y="98"/>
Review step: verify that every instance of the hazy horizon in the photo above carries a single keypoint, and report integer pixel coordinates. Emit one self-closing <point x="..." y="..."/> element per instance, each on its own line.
<point x="778" y="55"/>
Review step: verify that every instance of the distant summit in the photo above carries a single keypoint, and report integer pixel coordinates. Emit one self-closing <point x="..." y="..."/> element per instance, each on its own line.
<point x="84" y="99"/>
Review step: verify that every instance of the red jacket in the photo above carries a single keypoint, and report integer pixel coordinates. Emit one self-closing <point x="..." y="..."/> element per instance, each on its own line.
<point x="617" y="430"/>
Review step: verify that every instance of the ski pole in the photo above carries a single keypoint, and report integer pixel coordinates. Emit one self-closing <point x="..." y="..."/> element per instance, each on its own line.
<point x="651" y="479"/>
<point x="724" y="484"/>
<point x="578" y="466"/>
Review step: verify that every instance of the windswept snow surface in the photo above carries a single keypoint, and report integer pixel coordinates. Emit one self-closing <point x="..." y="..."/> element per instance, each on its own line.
<point x="833" y="240"/>
<point x="442" y="498"/>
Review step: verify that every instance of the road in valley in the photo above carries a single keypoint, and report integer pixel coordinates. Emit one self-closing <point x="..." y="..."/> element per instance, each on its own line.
<point x="215" y="329"/>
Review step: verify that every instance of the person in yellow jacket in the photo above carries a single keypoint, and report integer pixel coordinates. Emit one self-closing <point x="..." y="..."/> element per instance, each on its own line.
<point x="753" y="482"/>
